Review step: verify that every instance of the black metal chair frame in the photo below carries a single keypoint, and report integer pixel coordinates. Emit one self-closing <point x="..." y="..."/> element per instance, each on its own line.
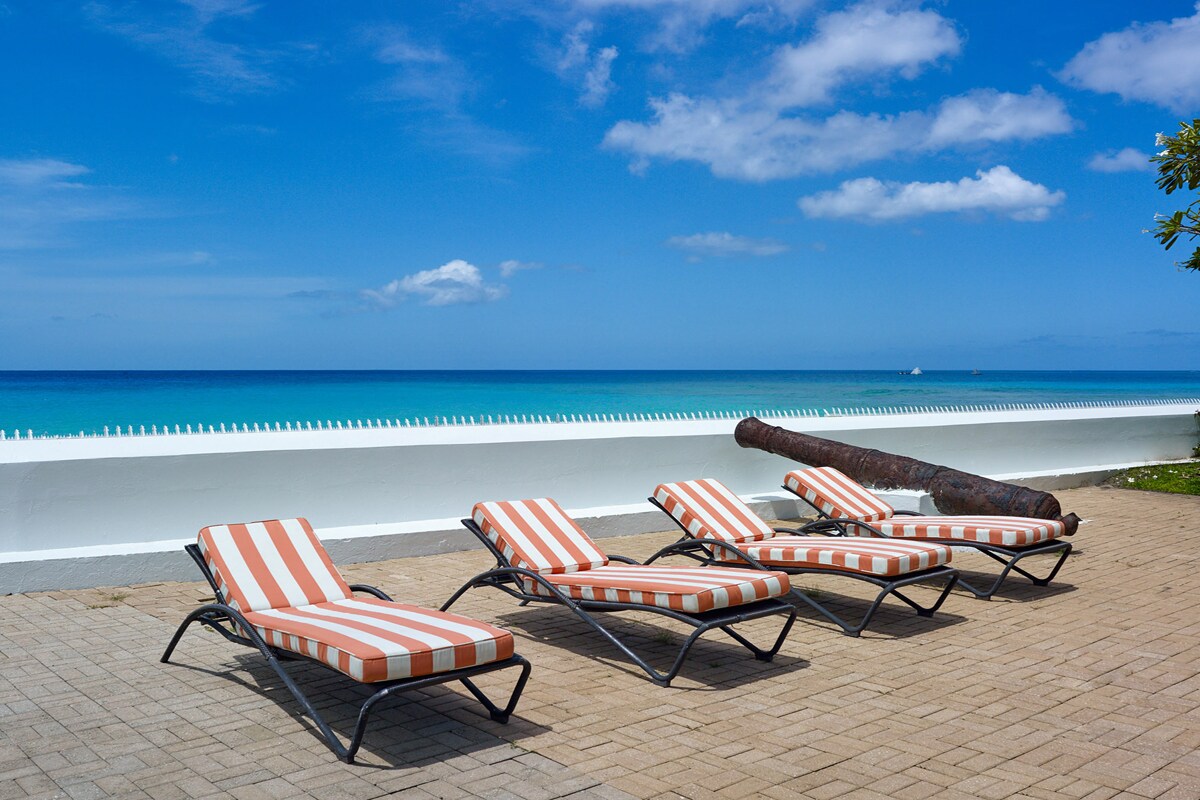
<point x="1008" y="556"/>
<point x="218" y="615"/>
<point x="505" y="577"/>
<point x="702" y="550"/>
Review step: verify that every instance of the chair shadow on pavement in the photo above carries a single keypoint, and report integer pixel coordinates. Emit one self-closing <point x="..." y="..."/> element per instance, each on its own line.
<point x="893" y="619"/>
<point x="708" y="664"/>
<point x="413" y="729"/>
<point x="1015" y="589"/>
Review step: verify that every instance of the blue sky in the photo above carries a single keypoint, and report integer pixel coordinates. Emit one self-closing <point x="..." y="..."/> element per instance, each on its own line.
<point x="591" y="184"/>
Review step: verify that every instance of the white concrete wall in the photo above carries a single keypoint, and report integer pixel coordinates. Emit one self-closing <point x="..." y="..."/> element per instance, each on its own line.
<point x="100" y="511"/>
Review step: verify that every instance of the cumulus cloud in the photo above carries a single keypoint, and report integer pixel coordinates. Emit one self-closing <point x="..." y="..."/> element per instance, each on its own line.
<point x="1127" y="160"/>
<point x="998" y="190"/>
<point x="866" y="39"/>
<point x="597" y="81"/>
<point x="579" y="62"/>
<point x="986" y="115"/>
<point x="452" y="283"/>
<point x="725" y="244"/>
<point x="1156" y="62"/>
<point x="761" y="144"/>
<point x="769" y="129"/>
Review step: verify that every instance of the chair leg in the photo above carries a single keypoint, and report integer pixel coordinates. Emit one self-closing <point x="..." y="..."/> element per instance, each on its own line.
<point x="662" y="679"/>
<point x="847" y="628"/>
<point x="498" y="714"/>
<point x="501" y="714"/>
<point x="210" y="612"/>
<point x="759" y="653"/>
<point x="890" y="588"/>
<point x="1010" y="565"/>
<point x="929" y="611"/>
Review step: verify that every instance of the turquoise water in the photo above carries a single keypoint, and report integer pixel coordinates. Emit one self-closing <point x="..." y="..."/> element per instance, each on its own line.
<point x="71" y="402"/>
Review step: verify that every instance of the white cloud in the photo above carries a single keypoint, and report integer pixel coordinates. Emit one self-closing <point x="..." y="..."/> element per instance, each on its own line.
<point x="39" y="206"/>
<point x="1157" y="62"/>
<point x="452" y="283"/>
<point x="865" y="39"/>
<point x="591" y="68"/>
<point x="725" y="244"/>
<point x="761" y="144"/>
<point x="185" y="37"/>
<point x="680" y="23"/>
<point x="1126" y="160"/>
<point x="597" y="82"/>
<point x="428" y="80"/>
<point x="762" y="133"/>
<point x="424" y="73"/>
<point x="998" y="190"/>
<point x="575" y="46"/>
<point x="40" y="172"/>
<point x="512" y="267"/>
<point x="394" y="46"/>
<point x="986" y="115"/>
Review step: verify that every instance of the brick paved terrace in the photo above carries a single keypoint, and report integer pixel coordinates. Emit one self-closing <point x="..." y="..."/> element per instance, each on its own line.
<point x="1088" y="689"/>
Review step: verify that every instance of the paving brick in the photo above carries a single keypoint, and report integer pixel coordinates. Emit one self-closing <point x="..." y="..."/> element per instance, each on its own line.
<point x="1084" y="689"/>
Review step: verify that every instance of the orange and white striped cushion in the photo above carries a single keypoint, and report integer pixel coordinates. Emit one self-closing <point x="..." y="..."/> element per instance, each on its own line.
<point x="272" y="564"/>
<point x="693" y="590"/>
<point x="1003" y="531"/>
<point x="708" y="510"/>
<point x="374" y="640"/>
<point x="868" y="556"/>
<point x="837" y="495"/>
<point x="538" y="535"/>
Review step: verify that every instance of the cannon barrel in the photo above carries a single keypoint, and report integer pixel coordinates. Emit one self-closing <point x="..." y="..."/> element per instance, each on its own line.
<point x="952" y="490"/>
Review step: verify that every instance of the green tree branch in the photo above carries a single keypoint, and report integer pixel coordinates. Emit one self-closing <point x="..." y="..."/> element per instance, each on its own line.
<point x="1179" y="166"/>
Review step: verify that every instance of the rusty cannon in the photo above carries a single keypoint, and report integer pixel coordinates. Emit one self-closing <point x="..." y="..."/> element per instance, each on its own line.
<point x="952" y="490"/>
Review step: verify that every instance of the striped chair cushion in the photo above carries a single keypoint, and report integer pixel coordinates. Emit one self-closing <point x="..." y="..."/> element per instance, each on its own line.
<point x="1003" y="531"/>
<point x="538" y="535"/>
<point x="374" y="640"/>
<point x="837" y="495"/>
<point x="692" y="590"/>
<point x="273" y="564"/>
<point x="867" y="556"/>
<point x="708" y="510"/>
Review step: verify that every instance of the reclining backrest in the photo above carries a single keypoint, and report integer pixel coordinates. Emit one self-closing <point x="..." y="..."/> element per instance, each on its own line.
<point x="837" y="495"/>
<point x="708" y="510"/>
<point x="277" y="563"/>
<point x="537" y="535"/>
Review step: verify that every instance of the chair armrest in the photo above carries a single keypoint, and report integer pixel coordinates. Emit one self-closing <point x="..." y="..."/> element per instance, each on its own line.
<point x="362" y="587"/>
<point x="513" y="573"/>
<point x="816" y="527"/>
<point x="898" y="513"/>
<point x="622" y="559"/>
<point x="686" y="546"/>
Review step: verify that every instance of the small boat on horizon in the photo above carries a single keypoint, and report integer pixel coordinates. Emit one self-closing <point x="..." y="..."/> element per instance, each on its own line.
<point x="976" y="372"/>
<point x="913" y="371"/>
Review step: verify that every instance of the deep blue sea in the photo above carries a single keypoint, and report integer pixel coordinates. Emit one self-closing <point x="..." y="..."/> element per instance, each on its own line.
<point x="71" y="402"/>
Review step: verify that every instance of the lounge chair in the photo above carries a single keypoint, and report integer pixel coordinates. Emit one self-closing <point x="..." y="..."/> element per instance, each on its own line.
<point x="847" y="507"/>
<point x="720" y="529"/>
<point x="543" y="556"/>
<point x="277" y="590"/>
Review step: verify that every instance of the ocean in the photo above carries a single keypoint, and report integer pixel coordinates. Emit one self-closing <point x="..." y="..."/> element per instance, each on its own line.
<point x="65" y="403"/>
